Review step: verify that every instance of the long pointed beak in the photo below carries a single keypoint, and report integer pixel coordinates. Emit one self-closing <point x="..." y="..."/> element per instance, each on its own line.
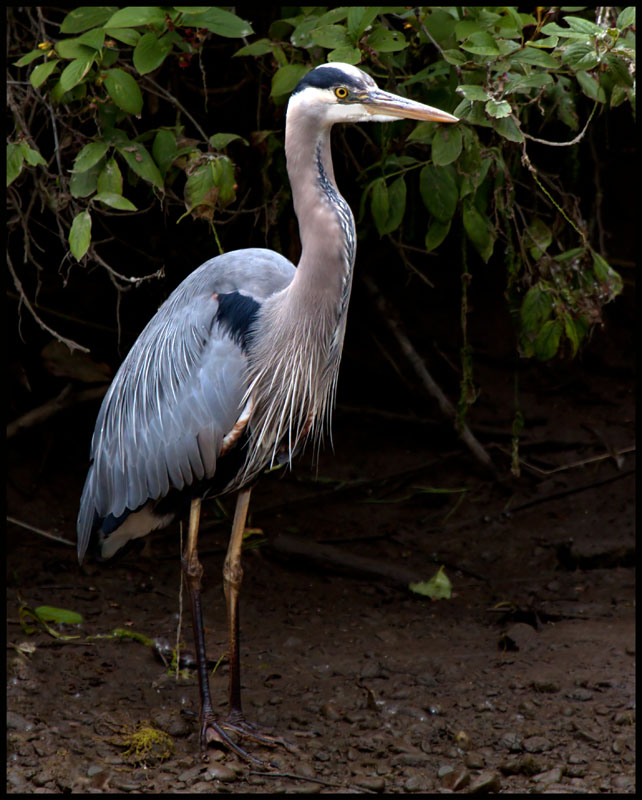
<point x="386" y="104"/>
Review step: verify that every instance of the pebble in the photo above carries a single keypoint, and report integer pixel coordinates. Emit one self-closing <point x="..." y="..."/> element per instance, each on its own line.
<point x="330" y="712"/>
<point x="474" y="760"/>
<point x="15" y="778"/>
<point x="537" y="744"/>
<point x="581" y="694"/>
<point x="487" y="781"/>
<point x="190" y="775"/>
<point x="375" y="783"/>
<point x="17" y="722"/>
<point x="456" y="779"/>
<point x="416" y="783"/>
<point x="512" y="741"/>
<point x="550" y="776"/>
<point x="220" y="772"/>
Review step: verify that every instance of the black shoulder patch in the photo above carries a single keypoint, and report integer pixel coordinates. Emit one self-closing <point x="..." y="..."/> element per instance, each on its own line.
<point x="325" y="78"/>
<point x="236" y="313"/>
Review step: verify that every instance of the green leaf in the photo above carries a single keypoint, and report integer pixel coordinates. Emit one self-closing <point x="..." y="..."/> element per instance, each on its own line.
<point x="498" y="109"/>
<point x="591" y="87"/>
<point x="537" y="307"/>
<point x="140" y="161"/>
<point x="40" y="73"/>
<point x="359" y="18"/>
<point x="94" y="38"/>
<point x="455" y="57"/>
<point x="547" y="341"/>
<point x="286" y="78"/>
<point x="28" y="58"/>
<point x="553" y="29"/>
<point x="32" y="157"/>
<point x="481" y="44"/>
<point x="395" y="204"/>
<point x="437" y="232"/>
<point x="584" y="25"/>
<point x="439" y="191"/>
<point x="479" y="230"/>
<point x="626" y="18"/>
<point x="423" y="132"/>
<point x="82" y="184"/>
<point x="547" y="42"/>
<point x="80" y="234"/>
<point x="538" y="58"/>
<point x="575" y="330"/>
<point x="220" y="22"/>
<point x="164" y="150"/>
<point x="71" y="49"/>
<point x="85" y="17"/>
<point x="507" y="128"/>
<point x="221" y="140"/>
<point x="123" y="90"/>
<point x="127" y="36"/>
<point x="223" y="176"/>
<point x="541" y="237"/>
<point x="446" y="145"/>
<point x="331" y="36"/>
<point x="438" y="587"/>
<point x="133" y="16"/>
<point x="89" y="155"/>
<point x="75" y="71"/>
<point x="15" y="160"/>
<point x="580" y="56"/>
<point x="110" y="178"/>
<point x="607" y="275"/>
<point x="259" y="48"/>
<point x="115" y="200"/>
<point x="347" y="55"/>
<point x="473" y="92"/>
<point x="379" y="204"/>
<point x="384" y="40"/>
<point x="150" y="52"/>
<point x="61" y="616"/>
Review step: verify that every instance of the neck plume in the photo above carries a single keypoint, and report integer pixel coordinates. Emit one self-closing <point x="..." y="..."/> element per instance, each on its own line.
<point x="294" y="359"/>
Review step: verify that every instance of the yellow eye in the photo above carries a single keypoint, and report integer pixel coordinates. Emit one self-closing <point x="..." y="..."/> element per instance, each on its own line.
<point x="341" y="92"/>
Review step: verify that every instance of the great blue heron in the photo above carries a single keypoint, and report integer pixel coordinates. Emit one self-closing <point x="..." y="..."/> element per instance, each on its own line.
<point x="237" y="369"/>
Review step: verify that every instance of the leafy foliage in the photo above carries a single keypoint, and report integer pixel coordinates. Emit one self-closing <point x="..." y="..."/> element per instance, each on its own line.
<point x="512" y="73"/>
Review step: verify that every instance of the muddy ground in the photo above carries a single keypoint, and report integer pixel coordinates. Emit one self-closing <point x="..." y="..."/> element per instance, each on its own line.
<point x="522" y="681"/>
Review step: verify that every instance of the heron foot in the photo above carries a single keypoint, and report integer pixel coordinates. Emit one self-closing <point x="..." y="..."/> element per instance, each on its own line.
<point x="212" y="731"/>
<point x="236" y="722"/>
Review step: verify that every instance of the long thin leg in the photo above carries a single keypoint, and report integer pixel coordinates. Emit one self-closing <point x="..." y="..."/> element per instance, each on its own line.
<point x="193" y="570"/>
<point x="232" y="578"/>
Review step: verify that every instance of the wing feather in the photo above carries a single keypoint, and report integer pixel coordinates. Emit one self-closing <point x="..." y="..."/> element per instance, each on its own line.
<point x="177" y="393"/>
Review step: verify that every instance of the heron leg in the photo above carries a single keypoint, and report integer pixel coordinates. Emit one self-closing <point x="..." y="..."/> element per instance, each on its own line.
<point x="232" y="578"/>
<point x="210" y="729"/>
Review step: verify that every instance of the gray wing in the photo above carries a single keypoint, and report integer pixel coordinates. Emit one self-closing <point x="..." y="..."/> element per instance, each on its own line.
<point x="177" y="393"/>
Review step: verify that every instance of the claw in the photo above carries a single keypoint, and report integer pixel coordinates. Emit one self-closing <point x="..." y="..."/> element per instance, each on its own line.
<point x="211" y="731"/>
<point x="237" y="723"/>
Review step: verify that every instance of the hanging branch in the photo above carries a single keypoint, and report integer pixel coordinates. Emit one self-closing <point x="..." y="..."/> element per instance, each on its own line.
<point x="417" y="363"/>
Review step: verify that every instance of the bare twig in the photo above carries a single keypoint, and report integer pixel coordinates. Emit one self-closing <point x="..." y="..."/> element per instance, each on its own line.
<point x="24" y="300"/>
<point x="564" y="467"/>
<point x="577" y="139"/>
<point x="161" y="92"/>
<point x="426" y="378"/>
<point x="65" y="399"/>
<point x="40" y="532"/>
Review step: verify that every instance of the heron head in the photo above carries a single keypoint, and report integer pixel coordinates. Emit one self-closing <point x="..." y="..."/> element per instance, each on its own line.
<point x="344" y="93"/>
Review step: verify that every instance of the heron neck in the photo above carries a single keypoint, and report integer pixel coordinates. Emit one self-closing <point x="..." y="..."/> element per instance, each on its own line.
<point x="326" y="225"/>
